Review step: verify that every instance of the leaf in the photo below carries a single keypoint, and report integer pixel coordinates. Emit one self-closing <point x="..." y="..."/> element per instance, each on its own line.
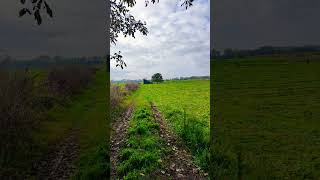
<point x="49" y="11"/>
<point x="22" y="12"/>
<point x="39" y="4"/>
<point x="37" y="16"/>
<point x="23" y="1"/>
<point x="34" y="1"/>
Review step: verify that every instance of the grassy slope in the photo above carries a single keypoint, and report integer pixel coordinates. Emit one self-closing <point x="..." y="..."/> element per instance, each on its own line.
<point x="86" y="111"/>
<point x="185" y="104"/>
<point x="268" y="110"/>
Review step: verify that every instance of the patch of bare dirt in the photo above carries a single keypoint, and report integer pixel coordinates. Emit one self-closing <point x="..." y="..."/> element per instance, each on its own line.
<point x="119" y="131"/>
<point x="179" y="164"/>
<point x="58" y="163"/>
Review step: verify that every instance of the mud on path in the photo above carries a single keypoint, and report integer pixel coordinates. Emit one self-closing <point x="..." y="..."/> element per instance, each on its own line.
<point x="119" y="131"/>
<point x="179" y="164"/>
<point x="58" y="163"/>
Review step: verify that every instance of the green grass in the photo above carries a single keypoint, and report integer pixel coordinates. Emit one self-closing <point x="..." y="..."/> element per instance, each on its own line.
<point x="144" y="148"/>
<point x="266" y="123"/>
<point x="87" y="112"/>
<point x="90" y="116"/>
<point x="186" y="107"/>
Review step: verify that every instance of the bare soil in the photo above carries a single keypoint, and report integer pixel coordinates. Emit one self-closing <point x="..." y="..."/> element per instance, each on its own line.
<point x="119" y="131"/>
<point x="58" y="163"/>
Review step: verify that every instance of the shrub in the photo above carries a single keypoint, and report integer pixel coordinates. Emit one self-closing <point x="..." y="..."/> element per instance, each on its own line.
<point x="18" y="117"/>
<point x="131" y="87"/>
<point x="115" y="96"/>
<point x="69" y="79"/>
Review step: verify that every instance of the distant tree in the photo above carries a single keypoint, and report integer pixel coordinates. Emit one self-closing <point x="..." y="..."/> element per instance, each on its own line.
<point x="157" y="78"/>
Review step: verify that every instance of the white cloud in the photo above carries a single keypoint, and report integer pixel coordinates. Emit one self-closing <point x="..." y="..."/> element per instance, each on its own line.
<point x="178" y="42"/>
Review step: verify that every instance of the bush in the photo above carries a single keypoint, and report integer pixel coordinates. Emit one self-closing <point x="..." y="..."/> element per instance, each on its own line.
<point x="131" y="87"/>
<point x="69" y="79"/>
<point x="18" y="117"/>
<point x="115" y="96"/>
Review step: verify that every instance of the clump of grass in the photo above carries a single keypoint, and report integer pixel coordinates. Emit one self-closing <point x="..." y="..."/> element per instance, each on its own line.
<point x="144" y="147"/>
<point x="224" y="164"/>
<point x="94" y="164"/>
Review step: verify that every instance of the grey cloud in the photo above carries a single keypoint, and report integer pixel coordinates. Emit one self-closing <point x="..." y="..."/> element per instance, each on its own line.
<point x="77" y="29"/>
<point x="177" y="45"/>
<point x="252" y="23"/>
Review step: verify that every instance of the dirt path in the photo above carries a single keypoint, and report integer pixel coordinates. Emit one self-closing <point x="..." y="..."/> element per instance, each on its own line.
<point x="57" y="164"/>
<point x="179" y="164"/>
<point x="119" y="129"/>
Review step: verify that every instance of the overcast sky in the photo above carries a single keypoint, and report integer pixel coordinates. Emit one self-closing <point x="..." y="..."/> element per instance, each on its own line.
<point x="177" y="45"/>
<point x="77" y="29"/>
<point x="178" y="40"/>
<point x="254" y="23"/>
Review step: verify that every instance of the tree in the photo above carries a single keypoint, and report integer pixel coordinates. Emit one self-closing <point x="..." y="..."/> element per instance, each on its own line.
<point x="157" y="78"/>
<point x="122" y="22"/>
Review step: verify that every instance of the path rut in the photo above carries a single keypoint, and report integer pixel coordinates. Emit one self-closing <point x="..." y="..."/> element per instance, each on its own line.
<point x="179" y="163"/>
<point x="58" y="163"/>
<point x="119" y="128"/>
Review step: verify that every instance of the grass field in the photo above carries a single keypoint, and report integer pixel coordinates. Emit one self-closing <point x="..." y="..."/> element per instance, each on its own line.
<point x="266" y="118"/>
<point x="84" y="111"/>
<point x="186" y="106"/>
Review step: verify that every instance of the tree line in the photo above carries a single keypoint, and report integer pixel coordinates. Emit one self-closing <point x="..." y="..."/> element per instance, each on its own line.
<point x="229" y="53"/>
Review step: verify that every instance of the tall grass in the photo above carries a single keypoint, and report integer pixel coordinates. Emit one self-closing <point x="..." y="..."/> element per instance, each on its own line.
<point x="68" y="80"/>
<point x="25" y="100"/>
<point x="118" y="95"/>
<point x="193" y="132"/>
<point x="19" y="116"/>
